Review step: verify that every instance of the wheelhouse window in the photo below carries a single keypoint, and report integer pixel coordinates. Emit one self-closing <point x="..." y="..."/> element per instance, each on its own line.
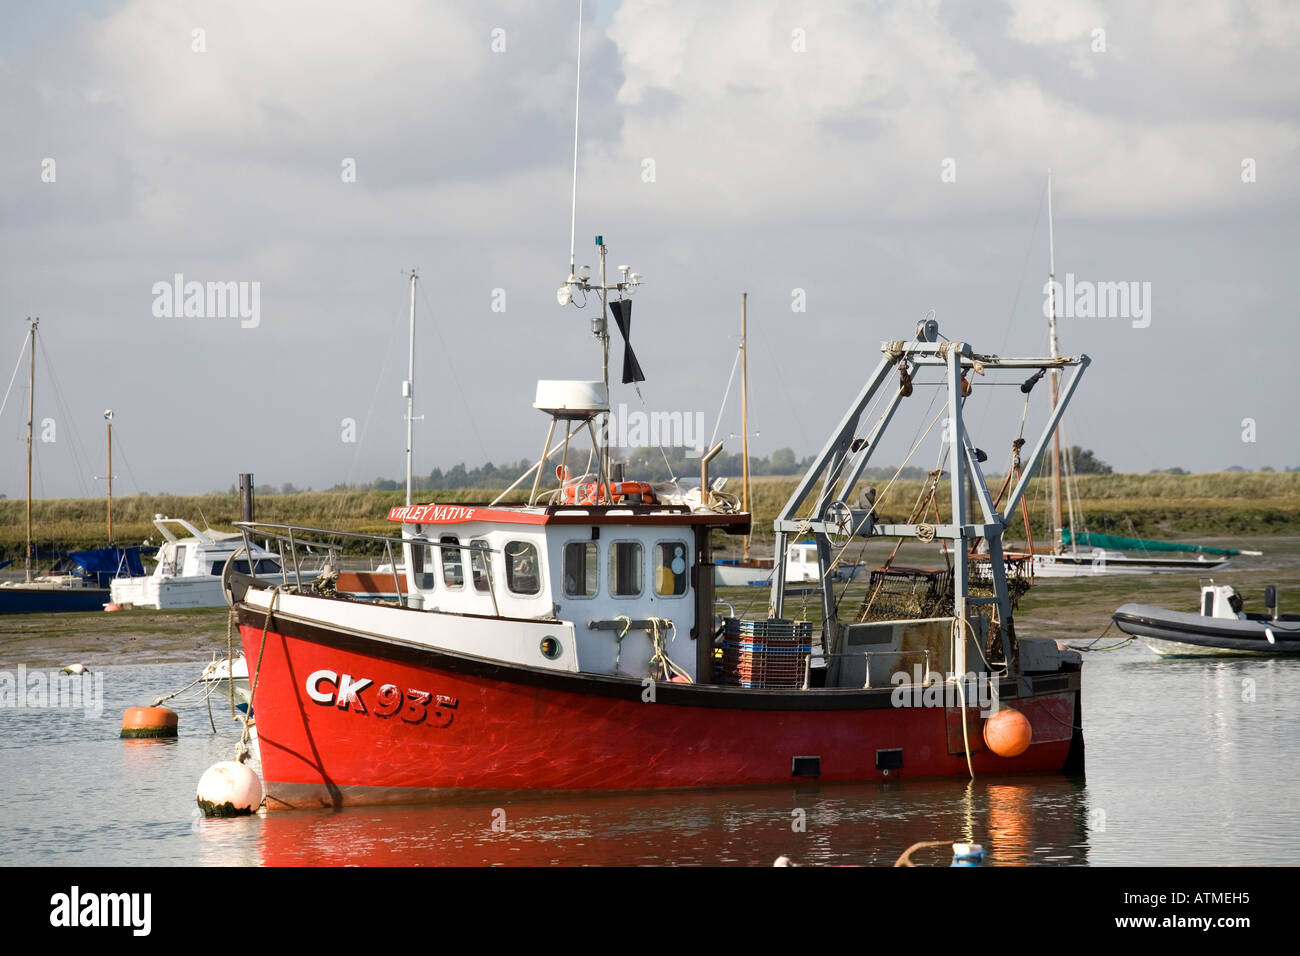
<point x="264" y="566"/>
<point x="522" y="571"/>
<point x="625" y="568"/>
<point x="478" y="563"/>
<point x="453" y="569"/>
<point x="581" y="569"/>
<point x="670" y="568"/>
<point x="422" y="566"/>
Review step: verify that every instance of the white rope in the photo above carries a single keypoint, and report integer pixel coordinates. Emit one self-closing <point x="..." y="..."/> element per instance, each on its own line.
<point x="660" y="662"/>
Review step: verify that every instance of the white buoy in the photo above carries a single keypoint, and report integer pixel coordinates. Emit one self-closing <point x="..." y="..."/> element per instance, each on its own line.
<point x="77" y="669"/>
<point x="229" y="789"/>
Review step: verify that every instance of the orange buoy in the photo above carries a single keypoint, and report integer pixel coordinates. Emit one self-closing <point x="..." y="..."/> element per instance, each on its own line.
<point x="149" y="722"/>
<point x="112" y="607"/>
<point x="1008" y="733"/>
<point x="229" y="789"/>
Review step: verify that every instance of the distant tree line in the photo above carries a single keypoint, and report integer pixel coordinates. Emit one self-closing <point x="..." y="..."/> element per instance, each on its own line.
<point x="1085" y="462"/>
<point x="648" y="464"/>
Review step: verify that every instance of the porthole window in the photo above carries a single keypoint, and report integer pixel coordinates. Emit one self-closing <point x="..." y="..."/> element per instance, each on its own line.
<point x="551" y="648"/>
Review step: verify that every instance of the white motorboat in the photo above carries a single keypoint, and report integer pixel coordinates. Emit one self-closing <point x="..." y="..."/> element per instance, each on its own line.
<point x="800" y="563"/>
<point x="188" y="573"/>
<point x="219" y="675"/>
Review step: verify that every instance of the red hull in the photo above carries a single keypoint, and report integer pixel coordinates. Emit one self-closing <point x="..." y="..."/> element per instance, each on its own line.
<point x="460" y="724"/>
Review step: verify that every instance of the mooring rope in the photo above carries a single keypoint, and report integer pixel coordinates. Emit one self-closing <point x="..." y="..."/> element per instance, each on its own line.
<point x="242" y="752"/>
<point x="177" y="693"/>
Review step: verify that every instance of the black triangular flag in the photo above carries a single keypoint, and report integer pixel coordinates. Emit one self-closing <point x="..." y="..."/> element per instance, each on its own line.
<point x="622" y="309"/>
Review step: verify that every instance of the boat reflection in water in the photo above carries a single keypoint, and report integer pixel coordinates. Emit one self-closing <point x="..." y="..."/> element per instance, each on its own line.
<point x="1040" y="820"/>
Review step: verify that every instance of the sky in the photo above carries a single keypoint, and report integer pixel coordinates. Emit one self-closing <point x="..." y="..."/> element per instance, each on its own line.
<point x="850" y="166"/>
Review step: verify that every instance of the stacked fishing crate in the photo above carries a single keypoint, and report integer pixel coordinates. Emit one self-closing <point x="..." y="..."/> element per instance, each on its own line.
<point x="768" y="653"/>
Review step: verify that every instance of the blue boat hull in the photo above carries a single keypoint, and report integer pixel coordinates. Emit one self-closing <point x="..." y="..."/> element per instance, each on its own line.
<point x="35" y="601"/>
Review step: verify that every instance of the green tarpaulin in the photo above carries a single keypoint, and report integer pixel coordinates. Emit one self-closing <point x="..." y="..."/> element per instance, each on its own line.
<point x="1136" y="544"/>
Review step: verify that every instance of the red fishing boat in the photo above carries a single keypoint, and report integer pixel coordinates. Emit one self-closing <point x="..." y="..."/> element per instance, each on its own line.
<point x="570" y="642"/>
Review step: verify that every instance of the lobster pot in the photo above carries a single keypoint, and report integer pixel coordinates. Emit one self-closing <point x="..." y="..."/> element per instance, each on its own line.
<point x="768" y="653"/>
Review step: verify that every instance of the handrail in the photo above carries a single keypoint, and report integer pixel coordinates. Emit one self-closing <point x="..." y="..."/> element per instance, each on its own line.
<point x="283" y="533"/>
<point x="358" y="535"/>
<point x="868" y="655"/>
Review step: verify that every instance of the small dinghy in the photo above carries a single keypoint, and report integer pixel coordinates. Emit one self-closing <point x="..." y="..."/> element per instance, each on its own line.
<point x="1221" y="629"/>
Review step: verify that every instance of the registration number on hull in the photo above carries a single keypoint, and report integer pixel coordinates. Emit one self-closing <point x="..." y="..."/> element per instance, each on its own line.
<point x="331" y="689"/>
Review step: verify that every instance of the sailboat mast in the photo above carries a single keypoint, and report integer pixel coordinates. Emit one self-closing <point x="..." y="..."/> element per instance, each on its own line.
<point x="744" y="409"/>
<point x="408" y="389"/>
<point x="109" y="416"/>
<point x="1053" y="347"/>
<point x="31" y="403"/>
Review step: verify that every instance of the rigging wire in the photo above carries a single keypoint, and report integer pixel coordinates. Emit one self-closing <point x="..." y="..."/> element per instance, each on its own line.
<point x="725" y="395"/>
<point x="77" y="448"/>
<point x="17" y="365"/>
<point x="379" y="381"/>
<point x="667" y="464"/>
<point x="121" y="450"/>
<point x="451" y="367"/>
<point x="780" y="379"/>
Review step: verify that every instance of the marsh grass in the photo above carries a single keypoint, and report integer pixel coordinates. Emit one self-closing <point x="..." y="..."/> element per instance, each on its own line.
<point x="1225" y="503"/>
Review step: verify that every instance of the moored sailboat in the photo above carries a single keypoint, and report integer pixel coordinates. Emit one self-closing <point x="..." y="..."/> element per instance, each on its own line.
<point x="79" y="581"/>
<point x="1080" y="553"/>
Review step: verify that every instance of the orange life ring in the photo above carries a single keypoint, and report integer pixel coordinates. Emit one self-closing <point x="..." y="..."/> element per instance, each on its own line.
<point x="592" y="492"/>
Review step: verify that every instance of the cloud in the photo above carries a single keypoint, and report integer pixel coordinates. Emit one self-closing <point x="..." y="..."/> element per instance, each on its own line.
<point x="742" y="123"/>
<point x="794" y="144"/>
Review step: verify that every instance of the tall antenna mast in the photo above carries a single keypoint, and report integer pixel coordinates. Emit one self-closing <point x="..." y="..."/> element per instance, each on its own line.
<point x="579" y="280"/>
<point x="577" y="98"/>
<point x="408" y="390"/>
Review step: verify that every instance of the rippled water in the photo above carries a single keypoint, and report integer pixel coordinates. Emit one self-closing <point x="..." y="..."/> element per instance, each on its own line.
<point x="1189" y="762"/>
